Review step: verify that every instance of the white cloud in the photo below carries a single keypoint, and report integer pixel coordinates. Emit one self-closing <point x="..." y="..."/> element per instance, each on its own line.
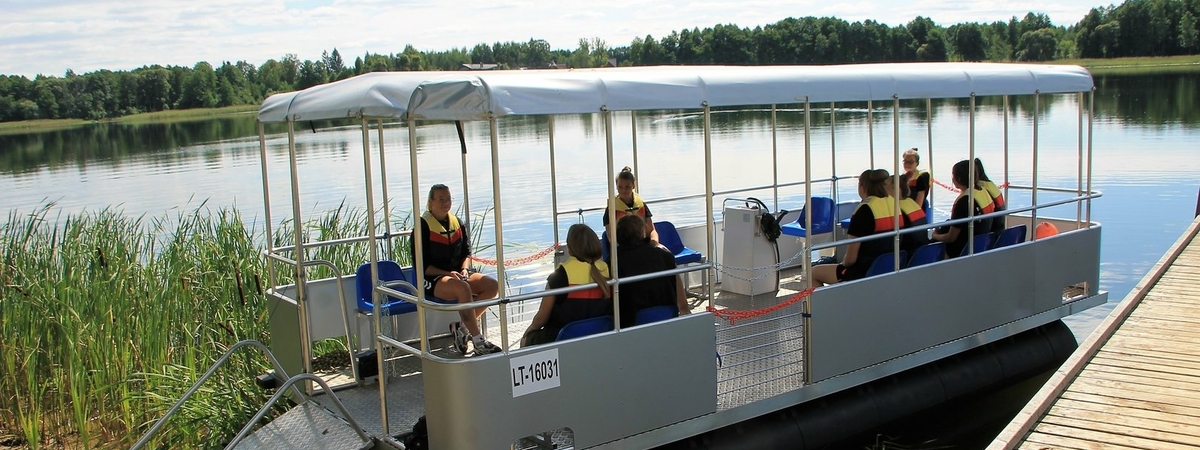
<point x="49" y="37"/>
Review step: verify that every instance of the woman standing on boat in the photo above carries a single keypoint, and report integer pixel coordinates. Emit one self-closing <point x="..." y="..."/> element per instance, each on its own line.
<point x="583" y="267"/>
<point x="955" y="236"/>
<point x="628" y="202"/>
<point x="445" y="248"/>
<point x="875" y="214"/>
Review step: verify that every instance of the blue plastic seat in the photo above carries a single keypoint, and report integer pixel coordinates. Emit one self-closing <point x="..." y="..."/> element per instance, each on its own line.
<point x="668" y="236"/>
<point x="885" y="263"/>
<point x="1011" y="236"/>
<point x="928" y="253"/>
<point x="655" y="314"/>
<point x="983" y="243"/>
<point x="822" y="219"/>
<point x="388" y="271"/>
<point x="585" y="327"/>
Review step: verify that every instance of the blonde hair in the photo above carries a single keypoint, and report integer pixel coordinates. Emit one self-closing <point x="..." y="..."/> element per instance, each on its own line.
<point x="582" y="244"/>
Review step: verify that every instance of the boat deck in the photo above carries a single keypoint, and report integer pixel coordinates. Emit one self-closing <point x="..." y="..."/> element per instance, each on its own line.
<point x="759" y="357"/>
<point x="1135" y="382"/>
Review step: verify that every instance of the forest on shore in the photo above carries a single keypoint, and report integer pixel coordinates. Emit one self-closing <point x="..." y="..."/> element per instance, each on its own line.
<point x="1134" y="28"/>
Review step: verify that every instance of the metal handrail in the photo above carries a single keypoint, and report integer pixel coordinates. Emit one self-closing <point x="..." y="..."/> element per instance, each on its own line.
<point x="195" y="387"/>
<point x="291" y="382"/>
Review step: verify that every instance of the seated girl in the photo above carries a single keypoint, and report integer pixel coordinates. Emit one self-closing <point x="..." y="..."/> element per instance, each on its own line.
<point x="584" y="266"/>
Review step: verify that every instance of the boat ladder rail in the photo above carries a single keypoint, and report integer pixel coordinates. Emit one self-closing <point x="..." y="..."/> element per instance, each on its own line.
<point x="312" y="411"/>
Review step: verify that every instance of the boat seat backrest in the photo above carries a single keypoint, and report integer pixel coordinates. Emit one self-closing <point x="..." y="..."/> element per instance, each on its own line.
<point x="585" y="327"/>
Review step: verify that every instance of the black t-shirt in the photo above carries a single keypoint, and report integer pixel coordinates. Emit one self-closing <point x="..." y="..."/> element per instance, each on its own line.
<point x="862" y="224"/>
<point x="446" y="257"/>
<point x="954" y="249"/>
<point x="922" y="185"/>
<point x="640" y="258"/>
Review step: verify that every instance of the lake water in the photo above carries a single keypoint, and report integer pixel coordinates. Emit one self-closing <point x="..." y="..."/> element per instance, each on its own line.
<point x="1145" y="141"/>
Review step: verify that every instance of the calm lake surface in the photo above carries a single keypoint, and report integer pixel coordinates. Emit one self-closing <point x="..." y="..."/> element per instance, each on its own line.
<point x="1146" y="164"/>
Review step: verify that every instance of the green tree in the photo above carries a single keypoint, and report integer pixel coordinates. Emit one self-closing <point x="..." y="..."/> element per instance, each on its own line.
<point x="311" y="74"/>
<point x="966" y="42"/>
<point x="1037" y="45"/>
<point x="200" y="88"/>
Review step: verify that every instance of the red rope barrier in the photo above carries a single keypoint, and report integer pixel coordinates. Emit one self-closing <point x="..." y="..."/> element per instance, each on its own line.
<point x="518" y="261"/>
<point x="734" y="315"/>
<point x="956" y="190"/>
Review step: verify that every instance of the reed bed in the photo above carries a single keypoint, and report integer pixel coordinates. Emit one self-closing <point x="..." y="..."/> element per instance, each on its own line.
<point x="106" y="320"/>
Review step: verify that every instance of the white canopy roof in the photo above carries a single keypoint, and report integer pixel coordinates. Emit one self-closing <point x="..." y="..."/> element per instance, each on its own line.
<point x="479" y="95"/>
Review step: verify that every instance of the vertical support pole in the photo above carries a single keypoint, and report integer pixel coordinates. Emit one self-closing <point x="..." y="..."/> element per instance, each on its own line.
<point x="299" y="256"/>
<point x="1005" y="138"/>
<point x="774" y="159"/>
<point x="896" y="170"/>
<point x="633" y="125"/>
<point x="498" y="225"/>
<point x="971" y="179"/>
<point x="833" y="154"/>
<point x="807" y="249"/>
<point x="1079" y="164"/>
<point x="929" y="150"/>
<point x="383" y="191"/>
<point x="267" y="224"/>
<point x="553" y="181"/>
<point x="1037" y="97"/>
<point x="710" y="220"/>
<point x="612" y="212"/>
<point x="1091" y="119"/>
<point x="871" y="131"/>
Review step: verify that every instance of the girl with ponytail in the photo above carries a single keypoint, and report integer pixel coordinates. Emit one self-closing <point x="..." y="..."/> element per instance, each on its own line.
<point x="584" y="266"/>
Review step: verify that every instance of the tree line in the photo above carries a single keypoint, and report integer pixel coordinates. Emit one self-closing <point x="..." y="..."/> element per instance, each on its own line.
<point x="1134" y="28"/>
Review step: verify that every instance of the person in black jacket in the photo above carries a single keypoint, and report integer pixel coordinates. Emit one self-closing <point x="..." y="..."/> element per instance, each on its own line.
<point x="637" y="255"/>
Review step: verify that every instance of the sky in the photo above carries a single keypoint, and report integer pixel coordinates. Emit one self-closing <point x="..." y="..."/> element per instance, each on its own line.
<point x="51" y="36"/>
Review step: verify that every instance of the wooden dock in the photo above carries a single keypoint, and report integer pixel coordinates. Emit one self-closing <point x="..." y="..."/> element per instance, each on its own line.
<point x="1134" y="383"/>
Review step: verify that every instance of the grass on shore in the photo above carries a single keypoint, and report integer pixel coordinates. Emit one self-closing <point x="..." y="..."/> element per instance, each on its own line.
<point x="175" y="115"/>
<point x="1137" y="65"/>
<point x="106" y="320"/>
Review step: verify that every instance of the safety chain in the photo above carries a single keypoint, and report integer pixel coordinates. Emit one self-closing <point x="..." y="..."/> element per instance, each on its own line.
<point x="734" y="315"/>
<point x="518" y="261"/>
<point x="724" y="269"/>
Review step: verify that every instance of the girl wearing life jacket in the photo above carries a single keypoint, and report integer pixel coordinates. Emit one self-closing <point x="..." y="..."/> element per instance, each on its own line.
<point x="445" y="248"/>
<point x="994" y="191"/>
<point x="918" y="180"/>
<point x="956" y="236"/>
<point x="628" y="202"/>
<point x="876" y="214"/>
<point x="583" y="267"/>
<point x="911" y="215"/>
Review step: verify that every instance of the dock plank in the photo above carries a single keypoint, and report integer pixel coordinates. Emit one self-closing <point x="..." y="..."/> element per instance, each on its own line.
<point x="1142" y="370"/>
<point x="1101" y="410"/>
<point x="1131" y="431"/>
<point x="1187" y="413"/>
<point x="1100" y="439"/>
<point x="1043" y="441"/>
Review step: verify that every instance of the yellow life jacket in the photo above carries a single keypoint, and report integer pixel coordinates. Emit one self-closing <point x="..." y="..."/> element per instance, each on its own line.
<point x="983" y="200"/>
<point x="622" y="209"/>
<point x="440" y="234"/>
<point x="884" y="210"/>
<point x="911" y="210"/>
<point x="995" y="192"/>
<point x="579" y="272"/>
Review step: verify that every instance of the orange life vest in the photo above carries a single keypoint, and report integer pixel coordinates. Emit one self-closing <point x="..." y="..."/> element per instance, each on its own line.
<point x="983" y="200"/>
